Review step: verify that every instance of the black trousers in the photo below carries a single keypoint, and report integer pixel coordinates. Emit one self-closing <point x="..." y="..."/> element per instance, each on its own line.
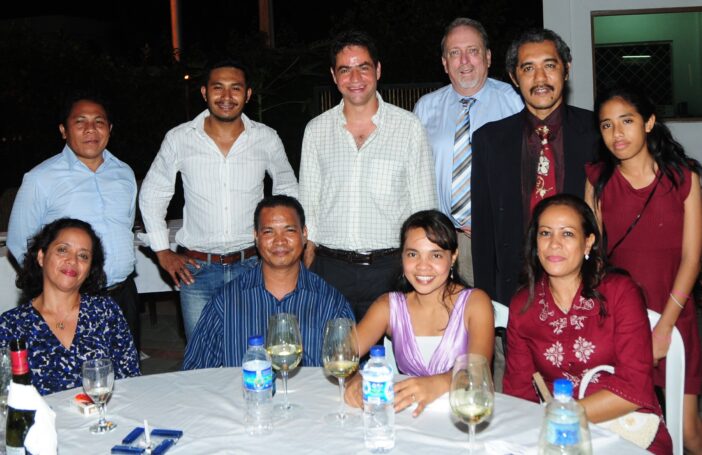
<point x="126" y="296"/>
<point x="360" y="284"/>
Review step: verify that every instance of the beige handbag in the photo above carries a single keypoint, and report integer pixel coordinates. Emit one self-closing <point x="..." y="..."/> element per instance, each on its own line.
<point x="637" y="427"/>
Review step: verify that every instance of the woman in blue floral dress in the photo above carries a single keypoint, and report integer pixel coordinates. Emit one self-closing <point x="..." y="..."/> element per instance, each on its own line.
<point x="64" y="319"/>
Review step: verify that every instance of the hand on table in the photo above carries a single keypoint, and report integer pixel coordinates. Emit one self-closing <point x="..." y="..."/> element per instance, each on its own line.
<point x="174" y="264"/>
<point x="422" y="390"/>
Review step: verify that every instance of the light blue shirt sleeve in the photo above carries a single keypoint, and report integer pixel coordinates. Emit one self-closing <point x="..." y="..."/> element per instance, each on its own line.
<point x="439" y="111"/>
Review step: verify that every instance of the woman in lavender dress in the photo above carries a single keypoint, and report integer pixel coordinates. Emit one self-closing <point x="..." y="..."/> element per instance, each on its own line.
<point x="430" y="322"/>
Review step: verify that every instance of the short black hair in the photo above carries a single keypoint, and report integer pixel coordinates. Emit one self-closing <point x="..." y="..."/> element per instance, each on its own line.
<point x="465" y="22"/>
<point x="75" y="96"/>
<point x="536" y="35"/>
<point x="352" y="38"/>
<point x="279" y="200"/>
<point x="31" y="278"/>
<point x="227" y="63"/>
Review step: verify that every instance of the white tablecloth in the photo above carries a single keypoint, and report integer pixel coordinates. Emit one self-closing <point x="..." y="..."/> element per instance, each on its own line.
<point x="207" y="405"/>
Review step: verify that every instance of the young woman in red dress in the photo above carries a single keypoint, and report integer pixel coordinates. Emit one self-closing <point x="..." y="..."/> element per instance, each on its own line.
<point x="646" y="195"/>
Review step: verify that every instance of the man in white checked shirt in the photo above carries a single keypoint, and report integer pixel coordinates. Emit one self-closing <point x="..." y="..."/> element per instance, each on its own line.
<point x="451" y="115"/>
<point x="366" y="166"/>
<point x="223" y="157"/>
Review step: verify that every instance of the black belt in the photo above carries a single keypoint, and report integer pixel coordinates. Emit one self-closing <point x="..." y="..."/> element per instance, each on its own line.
<point x="353" y="257"/>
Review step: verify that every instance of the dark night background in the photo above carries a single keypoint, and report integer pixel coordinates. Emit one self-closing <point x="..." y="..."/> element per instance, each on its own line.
<point x="123" y="50"/>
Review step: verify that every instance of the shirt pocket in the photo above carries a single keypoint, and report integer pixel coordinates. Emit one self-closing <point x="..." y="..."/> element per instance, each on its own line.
<point x="385" y="181"/>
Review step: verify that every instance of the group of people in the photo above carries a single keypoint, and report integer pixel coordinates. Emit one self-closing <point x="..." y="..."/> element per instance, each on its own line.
<point x="409" y="223"/>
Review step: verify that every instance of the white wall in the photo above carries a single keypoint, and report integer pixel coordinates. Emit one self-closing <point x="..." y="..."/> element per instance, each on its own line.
<point x="571" y="20"/>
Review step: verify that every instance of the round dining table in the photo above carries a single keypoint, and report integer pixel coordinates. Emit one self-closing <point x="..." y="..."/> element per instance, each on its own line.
<point x="208" y="406"/>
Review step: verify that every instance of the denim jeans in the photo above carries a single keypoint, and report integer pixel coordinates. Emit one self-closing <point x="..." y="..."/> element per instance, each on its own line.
<point x="208" y="278"/>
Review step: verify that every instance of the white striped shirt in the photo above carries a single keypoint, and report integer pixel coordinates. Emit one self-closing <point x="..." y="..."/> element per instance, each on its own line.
<point x="357" y="199"/>
<point x="221" y="192"/>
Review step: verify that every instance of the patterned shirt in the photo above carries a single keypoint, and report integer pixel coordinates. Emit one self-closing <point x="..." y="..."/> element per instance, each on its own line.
<point x="221" y="192"/>
<point x="241" y="309"/>
<point x="357" y="199"/>
<point x="558" y="344"/>
<point x="102" y="332"/>
<point x="438" y="112"/>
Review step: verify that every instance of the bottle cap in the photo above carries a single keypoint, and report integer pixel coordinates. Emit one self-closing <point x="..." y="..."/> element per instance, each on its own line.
<point x="377" y="351"/>
<point x="256" y="340"/>
<point x="562" y="387"/>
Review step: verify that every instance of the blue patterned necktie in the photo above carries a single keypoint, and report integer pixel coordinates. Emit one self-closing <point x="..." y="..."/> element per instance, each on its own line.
<point x="462" y="166"/>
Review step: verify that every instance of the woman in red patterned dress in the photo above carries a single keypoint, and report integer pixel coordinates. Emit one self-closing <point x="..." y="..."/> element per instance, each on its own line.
<point x="646" y="194"/>
<point x="572" y="316"/>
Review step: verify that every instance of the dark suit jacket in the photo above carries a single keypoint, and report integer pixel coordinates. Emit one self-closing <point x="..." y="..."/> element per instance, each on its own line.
<point x="498" y="224"/>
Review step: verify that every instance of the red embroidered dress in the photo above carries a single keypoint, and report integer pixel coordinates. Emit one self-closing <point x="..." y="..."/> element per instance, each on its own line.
<point x="558" y="344"/>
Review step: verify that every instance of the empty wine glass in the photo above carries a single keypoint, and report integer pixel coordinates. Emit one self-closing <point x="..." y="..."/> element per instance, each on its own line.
<point x="340" y="357"/>
<point x="98" y="380"/>
<point x="284" y="345"/>
<point x="472" y="394"/>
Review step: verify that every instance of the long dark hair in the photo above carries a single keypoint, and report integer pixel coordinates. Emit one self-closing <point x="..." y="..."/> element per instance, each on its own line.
<point x="668" y="154"/>
<point x="440" y="231"/>
<point x="592" y="270"/>
<point x="31" y="278"/>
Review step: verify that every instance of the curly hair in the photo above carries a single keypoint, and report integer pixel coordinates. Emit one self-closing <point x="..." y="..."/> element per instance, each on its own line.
<point x="31" y="278"/>
<point x="592" y="271"/>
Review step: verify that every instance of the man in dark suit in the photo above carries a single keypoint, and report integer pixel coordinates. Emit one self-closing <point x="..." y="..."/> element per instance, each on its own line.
<point x="529" y="156"/>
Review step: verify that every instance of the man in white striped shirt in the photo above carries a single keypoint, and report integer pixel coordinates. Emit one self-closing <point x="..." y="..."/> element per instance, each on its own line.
<point x="366" y="166"/>
<point x="223" y="157"/>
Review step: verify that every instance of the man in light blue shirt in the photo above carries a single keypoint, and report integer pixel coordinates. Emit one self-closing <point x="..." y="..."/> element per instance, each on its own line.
<point x="87" y="182"/>
<point x="466" y="57"/>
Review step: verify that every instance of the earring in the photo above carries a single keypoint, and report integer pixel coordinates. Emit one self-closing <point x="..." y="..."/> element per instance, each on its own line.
<point x="451" y="274"/>
<point x="587" y="256"/>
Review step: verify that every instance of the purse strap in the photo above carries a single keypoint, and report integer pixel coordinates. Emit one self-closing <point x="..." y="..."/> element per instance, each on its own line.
<point x="587" y="377"/>
<point x="638" y="217"/>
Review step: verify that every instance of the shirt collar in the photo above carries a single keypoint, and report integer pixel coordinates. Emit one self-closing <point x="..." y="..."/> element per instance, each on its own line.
<point x="377" y="117"/>
<point x="553" y="121"/>
<point x="304" y="278"/>
<point x="73" y="161"/>
<point x="479" y="95"/>
<point x="198" y="123"/>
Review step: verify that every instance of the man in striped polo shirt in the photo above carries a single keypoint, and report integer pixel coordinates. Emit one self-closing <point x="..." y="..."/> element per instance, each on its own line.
<point x="278" y="284"/>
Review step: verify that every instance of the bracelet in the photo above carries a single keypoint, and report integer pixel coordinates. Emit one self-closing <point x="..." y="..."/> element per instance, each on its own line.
<point x="676" y="301"/>
<point x="682" y="295"/>
<point x="669" y="338"/>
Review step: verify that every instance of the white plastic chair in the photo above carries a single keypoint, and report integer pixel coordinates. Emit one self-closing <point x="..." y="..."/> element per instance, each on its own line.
<point x="501" y="313"/>
<point x="674" y="385"/>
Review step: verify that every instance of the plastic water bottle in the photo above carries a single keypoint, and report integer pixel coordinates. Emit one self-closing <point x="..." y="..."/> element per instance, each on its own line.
<point x="564" y="430"/>
<point x="378" y="399"/>
<point x="257" y="378"/>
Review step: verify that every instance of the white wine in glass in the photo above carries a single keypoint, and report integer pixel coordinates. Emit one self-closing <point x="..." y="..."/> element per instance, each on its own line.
<point x="472" y="394"/>
<point x="98" y="380"/>
<point x="284" y="345"/>
<point x="340" y="357"/>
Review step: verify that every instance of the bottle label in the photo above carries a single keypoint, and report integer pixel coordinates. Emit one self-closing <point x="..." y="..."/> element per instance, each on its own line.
<point x="563" y="434"/>
<point x="378" y="392"/>
<point x="19" y="362"/>
<point x="258" y="379"/>
<point x="15" y="451"/>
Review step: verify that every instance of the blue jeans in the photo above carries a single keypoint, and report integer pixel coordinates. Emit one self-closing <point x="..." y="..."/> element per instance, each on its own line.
<point x="208" y="278"/>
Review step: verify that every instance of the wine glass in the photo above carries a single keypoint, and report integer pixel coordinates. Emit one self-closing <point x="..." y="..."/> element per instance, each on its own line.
<point x="98" y="379"/>
<point x="284" y="345"/>
<point x="472" y="394"/>
<point x="340" y="357"/>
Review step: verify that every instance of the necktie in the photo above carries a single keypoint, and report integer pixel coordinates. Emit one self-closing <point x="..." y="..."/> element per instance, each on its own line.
<point x="545" y="173"/>
<point x="462" y="166"/>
